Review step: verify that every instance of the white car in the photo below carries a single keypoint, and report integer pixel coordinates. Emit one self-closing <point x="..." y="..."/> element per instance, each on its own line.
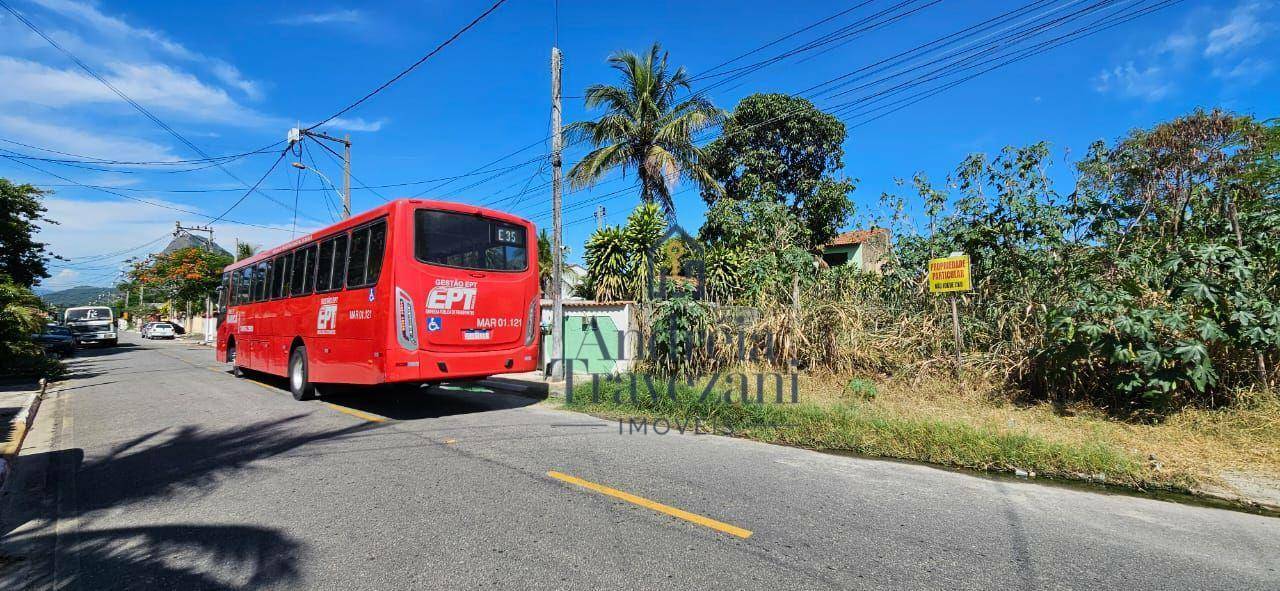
<point x="157" y="330"/>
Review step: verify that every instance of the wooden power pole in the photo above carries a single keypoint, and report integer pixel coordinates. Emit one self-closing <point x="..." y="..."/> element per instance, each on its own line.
<point x="557" y="240"/>
<point x="346" y="176"/>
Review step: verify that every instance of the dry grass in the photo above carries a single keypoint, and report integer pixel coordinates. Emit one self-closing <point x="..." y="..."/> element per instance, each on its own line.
<point x="1195" y="443"/>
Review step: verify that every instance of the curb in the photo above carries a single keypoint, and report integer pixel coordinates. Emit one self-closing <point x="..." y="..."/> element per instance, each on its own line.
<point x="21" y="424"/>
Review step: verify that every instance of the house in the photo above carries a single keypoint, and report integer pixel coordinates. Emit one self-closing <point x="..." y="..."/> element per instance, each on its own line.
<point x="572" y="276"/>
<point x="866" y="249"/>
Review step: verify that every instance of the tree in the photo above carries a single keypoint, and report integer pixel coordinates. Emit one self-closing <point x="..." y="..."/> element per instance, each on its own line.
<point x="22" y="258"/>
<point x="646" y="128"/>
<point x="782" y="148"/>
<point x="245" y="250"/>
<point x="545" y="262"/>
<point x="185" y="276"/>
<point x="609" y="265"/>
<point x="1174" y="301"/>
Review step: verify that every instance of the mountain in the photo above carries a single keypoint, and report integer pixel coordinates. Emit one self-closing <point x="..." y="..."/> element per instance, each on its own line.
<point x="83" y="295"/>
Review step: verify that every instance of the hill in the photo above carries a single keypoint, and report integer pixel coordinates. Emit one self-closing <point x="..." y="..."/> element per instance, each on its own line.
<point x="83" y="295"/>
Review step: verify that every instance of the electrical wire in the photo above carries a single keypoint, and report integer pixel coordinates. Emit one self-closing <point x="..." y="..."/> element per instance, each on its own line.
<point x="141" y="109"/>
<point x="411" y="67"/>
<point x="80" y="158"/>
<point x="138" y="199"/>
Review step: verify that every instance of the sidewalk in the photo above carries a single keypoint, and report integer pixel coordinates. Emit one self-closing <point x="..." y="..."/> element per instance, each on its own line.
<point x="18" y="404"/>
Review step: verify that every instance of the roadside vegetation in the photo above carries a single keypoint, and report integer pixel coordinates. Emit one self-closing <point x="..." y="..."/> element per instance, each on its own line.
<point x="1126" y="326"/>
<point x="22" y="265"/>
<point x="180" y="280"/>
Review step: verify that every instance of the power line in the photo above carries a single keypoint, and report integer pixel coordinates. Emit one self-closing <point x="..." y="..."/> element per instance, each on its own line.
<point x="132" y="198"/>
<point x="333" y="209"/>
<point x="80" y="158"/>
<point x="141" y="109"/>
<point x="412" y="67"/>
<point x="254" y="187"/>
<point x="337" y="159"/>
<point x="1103" y="23"/>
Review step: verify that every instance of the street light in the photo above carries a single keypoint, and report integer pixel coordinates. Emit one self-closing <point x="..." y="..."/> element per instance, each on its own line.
<point x="301" y="166"/>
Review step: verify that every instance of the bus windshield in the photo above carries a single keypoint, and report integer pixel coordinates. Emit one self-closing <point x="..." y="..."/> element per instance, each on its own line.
<point x="86" y="314"/>
<point x="468" y="241"/>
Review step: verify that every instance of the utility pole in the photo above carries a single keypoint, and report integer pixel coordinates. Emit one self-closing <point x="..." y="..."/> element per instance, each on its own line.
<point x="208" y="302"/>
<point x="296" y="134"/>
<point x="346" y="176"/>
<point x="179" y="229"/>
<point x="557" y="241"/>
<point x="599" y="217"/>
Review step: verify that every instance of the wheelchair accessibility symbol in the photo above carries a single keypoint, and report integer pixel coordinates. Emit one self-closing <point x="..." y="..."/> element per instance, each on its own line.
<point x="434" y="323"/>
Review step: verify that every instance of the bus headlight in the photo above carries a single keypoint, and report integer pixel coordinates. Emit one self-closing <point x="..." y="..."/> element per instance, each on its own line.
<point x="531" y="322"/>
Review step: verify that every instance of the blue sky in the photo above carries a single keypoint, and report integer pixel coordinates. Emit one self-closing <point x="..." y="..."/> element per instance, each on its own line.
<point x="234" y="76"/>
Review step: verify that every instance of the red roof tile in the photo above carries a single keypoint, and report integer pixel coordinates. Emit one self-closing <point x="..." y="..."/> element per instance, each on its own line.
<point x="857" y="236"/>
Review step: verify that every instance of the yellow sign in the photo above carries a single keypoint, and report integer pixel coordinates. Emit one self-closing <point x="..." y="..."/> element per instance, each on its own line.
<point x="949" y="274"/>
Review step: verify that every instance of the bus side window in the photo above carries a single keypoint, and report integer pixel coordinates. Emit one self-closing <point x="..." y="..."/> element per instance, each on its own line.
<point x="278" y="270"/>
<point x="287" y="282"/>
<point x="243" y="285"/>
<point x="266" y="288"/>
<point x="324" y="267"/>
<point x="299" y="269"/>
<point x="339" y="261"/>
<point x="377" y="246"/>
<point x="224" y="297"/>
<point x="260" y="281"/>
<point x="309" y="280"/>
<point x="358" y="257"/>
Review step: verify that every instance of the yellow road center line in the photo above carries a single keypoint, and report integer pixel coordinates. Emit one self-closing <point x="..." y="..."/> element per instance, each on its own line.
<point x="653" y="505"/>
<point x="355" y="413"/>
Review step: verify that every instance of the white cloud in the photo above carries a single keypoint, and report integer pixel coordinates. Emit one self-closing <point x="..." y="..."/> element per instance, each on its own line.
<point x="341" y="124"/>
<point x="1180" y="43"/>
<point x="62" y="279"/>
<point x="151" y="84"/>
<point x="323" y="18"/>
<point x="1242" y="29"/>
<point x="1211" y="41"/>
<point x="131" y="224"/>
<point x="231" y="76"/>
<point x="1130" y="81"/>
<point x="1248" y="70"/>
<point x="83" y="142"/>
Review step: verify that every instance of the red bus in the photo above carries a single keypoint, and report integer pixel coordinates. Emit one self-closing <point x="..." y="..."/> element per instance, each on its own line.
<point x="413" y="291"/>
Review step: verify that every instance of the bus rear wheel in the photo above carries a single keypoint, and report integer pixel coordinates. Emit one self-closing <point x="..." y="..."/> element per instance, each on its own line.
<point x="299" y="383"/>
<point x="231" y="358"/>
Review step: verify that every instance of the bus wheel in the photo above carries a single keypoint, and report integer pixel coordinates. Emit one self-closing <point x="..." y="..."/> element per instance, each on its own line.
<point x="299" y="385"/>
<point x="231" y="358"/>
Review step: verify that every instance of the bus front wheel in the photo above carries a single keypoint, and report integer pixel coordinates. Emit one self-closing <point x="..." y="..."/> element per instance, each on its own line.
<point x="299" y="385"/>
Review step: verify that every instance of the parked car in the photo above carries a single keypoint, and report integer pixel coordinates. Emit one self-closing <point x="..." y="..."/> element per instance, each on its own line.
<point x="157" y="330"/>
<point x="177" y="328"/>
<point x="57" y="340"/>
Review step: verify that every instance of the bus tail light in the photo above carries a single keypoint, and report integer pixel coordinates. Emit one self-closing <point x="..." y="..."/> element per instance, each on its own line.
<point x="531" y="322"/>
<point x="406" y="321"/>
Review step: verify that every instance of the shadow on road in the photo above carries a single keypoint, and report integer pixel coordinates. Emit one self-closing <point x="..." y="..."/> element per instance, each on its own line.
<point x="431" y="402"/>
<point x="183" y="461"/>
<point x="246" y="557"/>
<point x="188" y="459"/>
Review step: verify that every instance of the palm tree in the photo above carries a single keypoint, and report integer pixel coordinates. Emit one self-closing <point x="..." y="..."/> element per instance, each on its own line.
<point x="645" y="128"/>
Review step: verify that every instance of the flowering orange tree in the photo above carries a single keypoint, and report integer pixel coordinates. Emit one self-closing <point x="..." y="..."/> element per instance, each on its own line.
<point x="184" y="276"/>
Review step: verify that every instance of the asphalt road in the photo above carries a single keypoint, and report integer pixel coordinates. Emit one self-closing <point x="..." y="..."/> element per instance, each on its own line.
<point x="153" y="468"/>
